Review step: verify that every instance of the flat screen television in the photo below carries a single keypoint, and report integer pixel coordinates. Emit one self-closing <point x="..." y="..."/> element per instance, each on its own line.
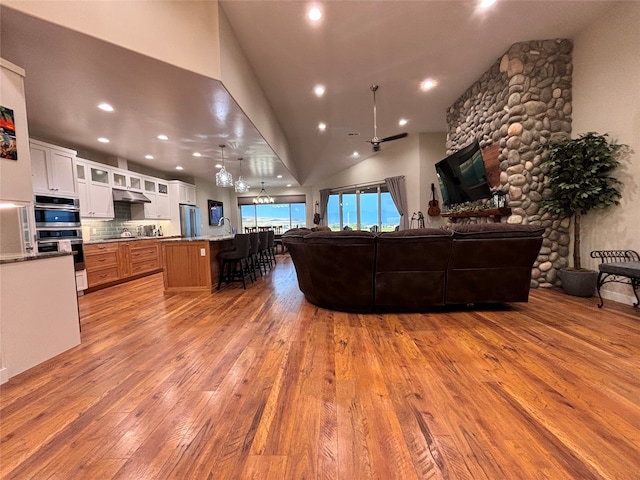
<point x="462" y="176"/>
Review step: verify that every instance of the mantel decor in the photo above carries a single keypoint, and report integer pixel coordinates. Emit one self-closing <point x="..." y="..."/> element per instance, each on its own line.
<point x="494" y="214"/>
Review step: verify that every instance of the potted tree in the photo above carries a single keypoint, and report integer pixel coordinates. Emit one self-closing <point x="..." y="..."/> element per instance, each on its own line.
<point x="578" y="173"/>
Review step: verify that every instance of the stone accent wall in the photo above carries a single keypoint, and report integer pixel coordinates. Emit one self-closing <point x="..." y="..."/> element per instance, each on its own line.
<point x="522" y="102"/>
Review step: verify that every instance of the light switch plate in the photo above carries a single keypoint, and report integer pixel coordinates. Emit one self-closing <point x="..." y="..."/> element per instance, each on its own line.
<point x="202" y="252"/>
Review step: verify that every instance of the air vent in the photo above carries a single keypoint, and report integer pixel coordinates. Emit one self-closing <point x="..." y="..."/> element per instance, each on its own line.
<point x="353" y="134"/>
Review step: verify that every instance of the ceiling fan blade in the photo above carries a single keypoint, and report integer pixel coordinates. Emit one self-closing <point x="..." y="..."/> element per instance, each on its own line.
<point x="393" y="137"/>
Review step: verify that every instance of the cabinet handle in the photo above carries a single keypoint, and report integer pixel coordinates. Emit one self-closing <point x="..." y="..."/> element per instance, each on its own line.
<point x="104" y="275"/>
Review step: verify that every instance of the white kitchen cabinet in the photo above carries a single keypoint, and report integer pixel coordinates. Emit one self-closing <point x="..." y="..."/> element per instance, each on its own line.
<point x="158" y="209"/>
<point x="126" y="181"/>
<point x="94" y="188"/>
<point x="184" y="192"/>
<point x="52" y="169"/>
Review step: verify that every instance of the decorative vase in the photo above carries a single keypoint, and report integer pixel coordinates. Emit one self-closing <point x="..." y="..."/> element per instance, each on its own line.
<point x="579" y="283"/>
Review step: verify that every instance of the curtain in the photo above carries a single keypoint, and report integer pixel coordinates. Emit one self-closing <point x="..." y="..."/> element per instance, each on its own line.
<point x="324" y="201"/>
<point x="398" y="189"/>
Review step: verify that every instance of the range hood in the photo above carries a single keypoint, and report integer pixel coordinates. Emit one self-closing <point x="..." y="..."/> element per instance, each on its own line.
<point x="127" y="196"/>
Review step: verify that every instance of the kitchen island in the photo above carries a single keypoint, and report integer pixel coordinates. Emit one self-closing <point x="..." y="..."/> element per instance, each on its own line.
<point x="191" y="264"/>
<point x="38" y="310"/>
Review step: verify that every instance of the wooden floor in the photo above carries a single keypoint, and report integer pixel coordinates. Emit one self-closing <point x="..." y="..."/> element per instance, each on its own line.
<point x="261" y="384"/>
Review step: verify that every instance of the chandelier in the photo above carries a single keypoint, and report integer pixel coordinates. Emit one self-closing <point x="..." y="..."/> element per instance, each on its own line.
<point x="263" y="196"/>
<point x="241" y="185"/>
<point x="223" y="178"/>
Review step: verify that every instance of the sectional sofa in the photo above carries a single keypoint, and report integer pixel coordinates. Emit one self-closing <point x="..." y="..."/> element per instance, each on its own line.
<point x="415" y="270"/>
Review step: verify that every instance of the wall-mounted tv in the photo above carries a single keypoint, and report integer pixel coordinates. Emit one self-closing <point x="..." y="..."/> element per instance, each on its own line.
<point x="462" y="176"/>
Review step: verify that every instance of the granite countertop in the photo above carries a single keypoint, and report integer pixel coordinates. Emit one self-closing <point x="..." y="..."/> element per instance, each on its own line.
<point x="17" y="257"/>
<point x="210" y="238"/>
<point x="127" y="239"/>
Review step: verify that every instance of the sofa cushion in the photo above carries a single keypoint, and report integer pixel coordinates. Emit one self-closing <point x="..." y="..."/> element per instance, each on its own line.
<point x="341" y="237"/>
<point x="336" y="269"/>
<point x="415" y="232"/>
<point x="410" y="268"/>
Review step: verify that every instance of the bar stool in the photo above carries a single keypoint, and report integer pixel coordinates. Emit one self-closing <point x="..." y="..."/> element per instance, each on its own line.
<point x="271" y="245"/>
<point x="235" y="262"/>
<point x="254" y="263"/>
<point x="264" y="258"/>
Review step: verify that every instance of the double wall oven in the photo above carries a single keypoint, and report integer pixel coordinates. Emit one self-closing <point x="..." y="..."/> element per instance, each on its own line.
<point x="57" y="221"/>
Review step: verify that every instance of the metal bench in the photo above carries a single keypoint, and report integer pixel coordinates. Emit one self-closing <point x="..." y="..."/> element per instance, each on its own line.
<point x="621" y="266"/>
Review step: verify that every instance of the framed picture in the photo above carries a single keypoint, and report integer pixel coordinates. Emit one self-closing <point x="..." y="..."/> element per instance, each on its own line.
<point x="7" y="134"/>
<point x="215" y="212"/>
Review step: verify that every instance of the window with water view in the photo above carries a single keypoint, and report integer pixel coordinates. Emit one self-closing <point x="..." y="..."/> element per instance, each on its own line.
<point x="281" y="216"/>
<point x="363" y="208"/>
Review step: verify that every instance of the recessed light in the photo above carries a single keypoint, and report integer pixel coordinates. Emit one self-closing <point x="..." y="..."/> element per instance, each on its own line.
<point x="322" y="126"/>
<point x="428" y="84"/>
<point x="197" y="154"/>
<point x="288" y="184"/>
<point x="279" y="176"/>
<point x="314" y="14"/>
<point x="163" y="137"/>
<point x="103" y="140"/>
<point x="355" y="154"/>
<point x="319" y="90"/>
<point x="106" y="107"/>
<point x="179" y="168"/>
<point x="486" y="3"/>
<point x="403" y="122"/>
<point x="149" y="157"/>
<point x="218" y="165"/>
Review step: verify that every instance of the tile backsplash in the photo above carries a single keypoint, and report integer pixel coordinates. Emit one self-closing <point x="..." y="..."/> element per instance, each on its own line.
<point x="104" y="229"/>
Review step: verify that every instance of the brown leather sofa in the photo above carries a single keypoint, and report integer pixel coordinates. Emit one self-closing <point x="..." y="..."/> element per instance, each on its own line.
<point x="415" y="270"/>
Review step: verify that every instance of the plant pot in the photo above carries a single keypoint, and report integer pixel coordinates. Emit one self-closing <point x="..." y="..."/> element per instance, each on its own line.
<point x="579" y="283"/>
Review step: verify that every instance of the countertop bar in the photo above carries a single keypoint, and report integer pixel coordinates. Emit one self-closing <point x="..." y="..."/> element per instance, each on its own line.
<point x="126" y="239"/>
<point x="16" y="257"/>
<point x="210" y="238"/>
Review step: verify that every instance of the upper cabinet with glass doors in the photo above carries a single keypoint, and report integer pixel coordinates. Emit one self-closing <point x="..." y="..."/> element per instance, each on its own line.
<point x="126" y="181"/>
<point x="94" y="187"/>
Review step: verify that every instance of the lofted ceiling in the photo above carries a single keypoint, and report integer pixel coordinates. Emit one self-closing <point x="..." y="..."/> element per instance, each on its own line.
<point x="394" y="44"/>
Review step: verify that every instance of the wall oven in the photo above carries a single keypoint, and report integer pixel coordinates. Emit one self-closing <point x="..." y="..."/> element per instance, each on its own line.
<point x="58" y="225"/>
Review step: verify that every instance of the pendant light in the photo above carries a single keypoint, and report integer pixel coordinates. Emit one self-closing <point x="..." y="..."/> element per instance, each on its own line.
<point x="263" y="196"/>
<point x="241" y="185"/>
<point x="223" y="178"/>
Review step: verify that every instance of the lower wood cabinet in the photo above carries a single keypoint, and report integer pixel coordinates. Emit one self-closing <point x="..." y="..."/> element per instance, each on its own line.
<point x="113" y="262"/>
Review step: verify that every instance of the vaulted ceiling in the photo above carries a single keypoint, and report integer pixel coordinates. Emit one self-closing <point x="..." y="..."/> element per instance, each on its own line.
<point x="393" y="44"/>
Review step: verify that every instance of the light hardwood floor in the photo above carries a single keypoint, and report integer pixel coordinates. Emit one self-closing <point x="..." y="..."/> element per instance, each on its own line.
<point x="261" y="384"/>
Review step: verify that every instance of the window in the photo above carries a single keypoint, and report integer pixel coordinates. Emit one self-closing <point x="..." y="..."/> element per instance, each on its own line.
<point x="363" y="208"/>
<point x="284" y="215"/>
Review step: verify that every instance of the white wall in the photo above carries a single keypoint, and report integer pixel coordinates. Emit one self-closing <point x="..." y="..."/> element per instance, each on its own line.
<point x="414" y="157"/>
<point x="239" y="79"/>
<point x="184" y="34"/>
<point x="432" y="149"/>
<point x="15" y="176"/>
<point x="606" y="99"/>
<point x="206" y="190"/>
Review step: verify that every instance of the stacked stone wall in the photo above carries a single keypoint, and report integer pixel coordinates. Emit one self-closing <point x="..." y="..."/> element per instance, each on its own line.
<point x="522" y="102"/>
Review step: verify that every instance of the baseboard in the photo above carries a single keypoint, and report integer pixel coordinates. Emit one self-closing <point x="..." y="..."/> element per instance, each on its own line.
<point x="4" y="375"/>
<point x="618" y="297"/>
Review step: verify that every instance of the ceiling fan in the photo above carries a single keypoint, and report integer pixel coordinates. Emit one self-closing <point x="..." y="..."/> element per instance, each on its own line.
<point x="375" y="141"/>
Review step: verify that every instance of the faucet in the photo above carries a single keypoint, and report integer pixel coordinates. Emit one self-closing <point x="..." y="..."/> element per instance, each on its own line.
<point x="221" y="223"/>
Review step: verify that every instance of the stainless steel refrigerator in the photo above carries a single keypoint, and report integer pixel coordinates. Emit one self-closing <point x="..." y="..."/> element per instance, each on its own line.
<point x="190" y="221"/>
